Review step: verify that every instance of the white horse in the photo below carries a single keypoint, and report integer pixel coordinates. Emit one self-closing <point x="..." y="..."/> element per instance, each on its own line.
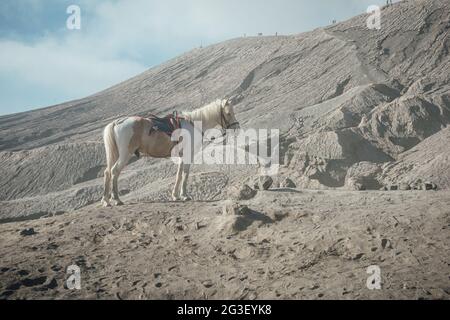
<point x="135" y="135"/>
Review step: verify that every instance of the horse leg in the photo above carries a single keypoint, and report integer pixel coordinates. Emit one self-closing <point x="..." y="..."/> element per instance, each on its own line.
<point x="116" y="170"/>
<point x="107" y="186"/>
<point x="176" y="189"/>
<point x="186" y="170"/>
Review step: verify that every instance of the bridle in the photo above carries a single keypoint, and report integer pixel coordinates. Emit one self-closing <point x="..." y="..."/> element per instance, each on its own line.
<point x="225" y="126"/>
<point x="224" y="123"/>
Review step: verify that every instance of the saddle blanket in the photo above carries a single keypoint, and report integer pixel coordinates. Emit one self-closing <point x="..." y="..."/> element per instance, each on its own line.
<point x="166" y="125"/>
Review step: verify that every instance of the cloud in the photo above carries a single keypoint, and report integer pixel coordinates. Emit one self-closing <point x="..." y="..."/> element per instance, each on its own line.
<point x="53" y="65"/>
<point x="61" y="70"/>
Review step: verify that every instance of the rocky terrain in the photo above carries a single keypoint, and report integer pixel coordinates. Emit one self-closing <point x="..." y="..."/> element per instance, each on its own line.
<point x="364" y="118"/>
<point x="282" y="244"/>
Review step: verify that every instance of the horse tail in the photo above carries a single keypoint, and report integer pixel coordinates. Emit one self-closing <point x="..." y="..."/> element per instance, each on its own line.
<point x="112" y="152"/>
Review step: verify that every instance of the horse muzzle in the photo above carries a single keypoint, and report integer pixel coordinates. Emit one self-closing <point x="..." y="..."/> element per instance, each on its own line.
<point x="234" y="126"/>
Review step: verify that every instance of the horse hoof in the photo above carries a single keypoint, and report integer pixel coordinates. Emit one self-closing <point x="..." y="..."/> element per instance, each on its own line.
<point x="105" y="204"/>
<point x="118" y="203"/>
<point x="186" y="198"/>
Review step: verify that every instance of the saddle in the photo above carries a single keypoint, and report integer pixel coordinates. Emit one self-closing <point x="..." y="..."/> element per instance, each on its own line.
<point x="167" y="125"/>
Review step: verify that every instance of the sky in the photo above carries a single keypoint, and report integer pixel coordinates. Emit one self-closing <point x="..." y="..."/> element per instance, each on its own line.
<point x="43" y="63"/>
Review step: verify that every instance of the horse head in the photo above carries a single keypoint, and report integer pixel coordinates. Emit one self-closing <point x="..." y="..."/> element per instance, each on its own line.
<point x="227" y="116"/>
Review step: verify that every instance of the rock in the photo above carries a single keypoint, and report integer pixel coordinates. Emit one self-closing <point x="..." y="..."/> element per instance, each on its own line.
<point x="404" y="187"/>
<point x="417" y="185"/>
<point x="276" y="185"/>
<point x="278" y="215"/>
<point x="230" y="209"/>
<point x="253" y="183"/>
<point x="265" y="182"/>
<point x="386" y="244"/>
<point x="354" y="185"/>
<point x="28" y="232"/>
<point x="393" y="187"/>
<point x="287" y="183"/>
<point x="234" y="209"/>
<point x="242" y="193"/>
<point x="236" y="218"/>
<point x="428" y="186"/>
<point x="357" y="256"/>
<point x="425" y="186"/>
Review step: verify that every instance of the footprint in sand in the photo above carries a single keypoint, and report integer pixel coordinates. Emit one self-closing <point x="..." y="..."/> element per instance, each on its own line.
<point x="23" y="273"/>
<point x="3" y="270"/>
<point x="28" y="282"/>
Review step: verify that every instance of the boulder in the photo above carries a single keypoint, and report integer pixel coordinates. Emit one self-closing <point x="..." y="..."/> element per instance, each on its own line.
<point x="417" y="185"/>
<point x="404" y="187"/>
<point x="287" y="183"/>
<point x="425" y="186"/>
<point x="236" y="218"/>
<point x="235" y="209"/>
<point x="428" y="186"/>
<point x="244" y="192"/>
<point x="353" y="184"/>
<point x="265" y="182"/>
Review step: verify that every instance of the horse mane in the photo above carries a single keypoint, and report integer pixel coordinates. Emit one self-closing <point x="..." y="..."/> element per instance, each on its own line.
<point x="206" y="112"/>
